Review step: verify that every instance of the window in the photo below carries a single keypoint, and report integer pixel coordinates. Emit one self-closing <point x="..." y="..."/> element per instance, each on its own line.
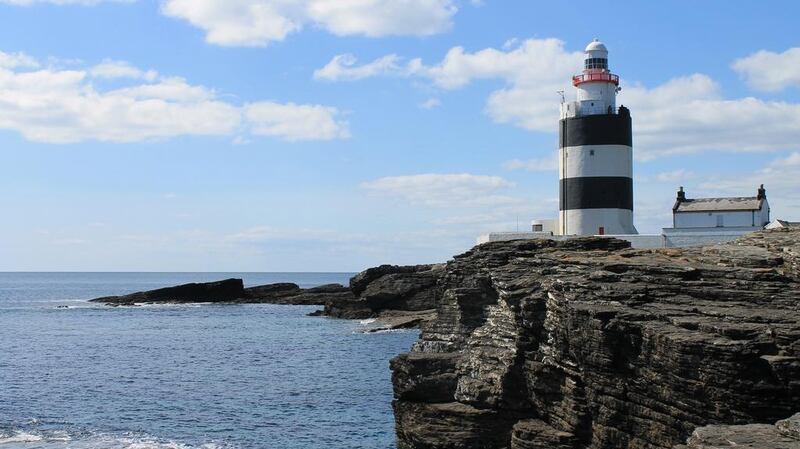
<point x="538" y="228"/>
<point x="596" y="63"/>
<point x="591" y="152"/>
<point x="720" y="221"/>
<point x="601" y="230"/>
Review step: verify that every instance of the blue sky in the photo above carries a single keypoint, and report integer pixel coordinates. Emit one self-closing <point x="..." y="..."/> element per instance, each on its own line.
<point x="319" y="135"/>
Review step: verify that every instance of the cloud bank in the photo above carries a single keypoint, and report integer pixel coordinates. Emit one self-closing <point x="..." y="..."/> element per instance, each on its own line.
<point x="687" y="114"/>
<point x="61" y="2"/>
<point x="256" y="23"/>
<point x="55" y="105"/>
<point x="770" y="71"/>
<point x="444" y="189"/>
<point x="259" y="22"/>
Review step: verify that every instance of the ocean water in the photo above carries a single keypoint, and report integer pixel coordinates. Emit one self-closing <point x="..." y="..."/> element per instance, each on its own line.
<point x="79" y="375"/>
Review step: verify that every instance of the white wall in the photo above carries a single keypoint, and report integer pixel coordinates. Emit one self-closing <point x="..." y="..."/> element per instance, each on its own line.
<point x="704" y="236"/>
<point x="637" y="240"/>
<point x="671" y="237"/>
<point x="729" y="218"/>
<point x="607" y="160"/>
<point x="589" y="221"/>
<point x="548" y="225"/>
<point x="596" y="97"/>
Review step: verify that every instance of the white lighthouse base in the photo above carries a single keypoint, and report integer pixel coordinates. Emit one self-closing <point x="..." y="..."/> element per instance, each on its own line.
<point x="596" y="222"/>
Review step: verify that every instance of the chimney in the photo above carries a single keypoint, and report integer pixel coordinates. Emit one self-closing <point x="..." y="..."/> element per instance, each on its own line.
<point x="762" y="192"/>
<point x="681" y="195"/>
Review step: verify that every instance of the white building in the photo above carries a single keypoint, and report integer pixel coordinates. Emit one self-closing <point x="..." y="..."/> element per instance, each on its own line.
<point x="596" y="178"/>
<point x="715" y="213"/>
<point x="595" y="153"/>
<point x="701" y="221"/>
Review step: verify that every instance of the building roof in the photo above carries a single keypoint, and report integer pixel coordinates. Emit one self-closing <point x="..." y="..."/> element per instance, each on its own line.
<point x="596" y="49"/>
<point x="788" y="224"/>
<point x="719" y="204"/>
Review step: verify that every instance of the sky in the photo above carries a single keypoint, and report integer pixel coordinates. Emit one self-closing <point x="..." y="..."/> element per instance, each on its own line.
<point x="333" y="135"/>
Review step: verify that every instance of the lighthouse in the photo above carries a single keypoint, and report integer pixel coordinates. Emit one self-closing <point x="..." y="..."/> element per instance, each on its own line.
<point x="595" y="153"/>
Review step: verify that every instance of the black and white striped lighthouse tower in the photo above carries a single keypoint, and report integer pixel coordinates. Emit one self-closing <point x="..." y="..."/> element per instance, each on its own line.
<point x="596" y="154"/>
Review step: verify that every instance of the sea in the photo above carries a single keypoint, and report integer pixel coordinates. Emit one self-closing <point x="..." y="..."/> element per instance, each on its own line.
<point x="75" y="374"/>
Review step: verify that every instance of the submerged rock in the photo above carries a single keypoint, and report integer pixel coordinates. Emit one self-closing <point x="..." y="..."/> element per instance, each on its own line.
<point x="587" y="343"/>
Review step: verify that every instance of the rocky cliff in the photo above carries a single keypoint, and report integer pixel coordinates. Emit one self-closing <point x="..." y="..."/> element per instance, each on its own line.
<point x="590" y="344"/>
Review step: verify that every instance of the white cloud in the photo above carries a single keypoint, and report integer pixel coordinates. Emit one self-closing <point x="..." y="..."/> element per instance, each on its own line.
<point x="376" y="18"/>
<point x="430" y="103"/>
<point x="259" y="234"/>
<point x="689" y="115"/>
<point x="770" y="71"/>
<point x="678" y="175"/>
<point x="684" y="115"/>
<point x="258" y="22"/>
<point x="343" y="68"/>
<point x="64" y="106"/>
<point x="296" y="121"/>
<point x="17" y="60"/>
<point x="444" y="190"/>
<point x="121" y="69"/>
<point x="471" y="219"/>
<point x="781" y="177"/>
<point x="533" y="70"/>
<point x="541" y="164"/>
<point x="62" y="2"/>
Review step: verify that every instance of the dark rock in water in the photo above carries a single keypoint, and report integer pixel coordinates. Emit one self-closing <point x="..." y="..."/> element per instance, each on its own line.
<point x="272" y="291"/>
<point x="322" y="295"/>
<point x="588" y="344"/>
<point x="361" y="281"/>
<point x="387" y="290"/>
<point x="383" y="289"/>
<point x="233" y="291"/>
<point x="220" y="291"/>
<point x="388" y="287"/>
<point x="287" y="293"/>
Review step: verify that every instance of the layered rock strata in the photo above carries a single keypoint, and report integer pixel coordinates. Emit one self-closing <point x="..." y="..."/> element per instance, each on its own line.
<point x="388" y="288"/>
<point x="590" y="344"/>
<point x="785" y="434"/>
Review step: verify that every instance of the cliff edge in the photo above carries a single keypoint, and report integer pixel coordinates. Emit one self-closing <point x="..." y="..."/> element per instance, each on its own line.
<point x="590" y="344"/>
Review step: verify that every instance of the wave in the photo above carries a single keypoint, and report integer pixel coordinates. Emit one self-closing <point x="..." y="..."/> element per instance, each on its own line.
<point x="59" y="439"/>
<point x="19" y="437"/>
